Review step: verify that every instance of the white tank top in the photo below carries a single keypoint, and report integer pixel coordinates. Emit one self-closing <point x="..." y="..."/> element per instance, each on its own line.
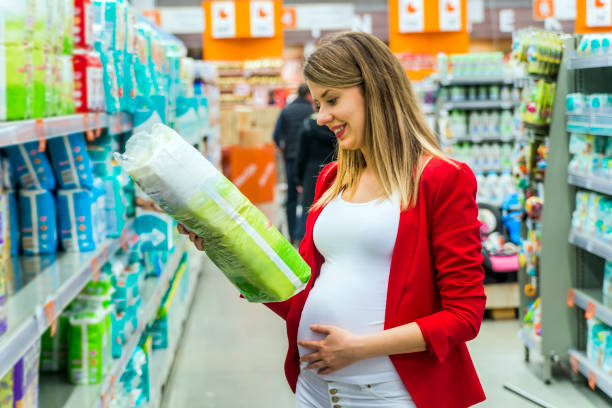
<point x="357" y="241"/>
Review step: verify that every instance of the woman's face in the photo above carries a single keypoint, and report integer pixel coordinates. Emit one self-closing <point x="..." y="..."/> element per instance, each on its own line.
<point x="343" y="111"/>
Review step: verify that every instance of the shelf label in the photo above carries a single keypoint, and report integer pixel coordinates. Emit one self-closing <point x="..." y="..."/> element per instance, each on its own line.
<point x="592" y="379"/>
<point x="574" y="363"/>
<point x="262" y="19"/>
<point x="590" y="311"/>
<point x="95" y="269"/>
<point x="571" y="296"/>
<point x="411" y="16"/>
<point x="51" y="313"/>
<point x="98" y="128"/>
<point x="39" y="127"/>
<point x="450" y="15"/>
<point x="88" y="131"/>
<point x="598" y="13"/>
<point x="223" y="15"/>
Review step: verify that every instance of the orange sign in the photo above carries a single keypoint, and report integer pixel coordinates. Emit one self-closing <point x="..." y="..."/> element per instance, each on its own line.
<point x="153" y="15"/>
<point x="543" y="9"/>
<point x="289" y="18"/>
<point x="593" y="16"/>
<point x="253" y="171"/>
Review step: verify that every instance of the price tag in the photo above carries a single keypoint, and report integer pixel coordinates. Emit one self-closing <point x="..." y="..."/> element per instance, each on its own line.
<point x="51" y="316"/>
<point x="592" y="379"/>
<point x="590" y="311"/>
<point x="574" y="363"/>
<point x="95" y="269"/>
<point x="105" y="254"/>
<point x="571" y="296"/>
<point x="97" y="126"/>
<point x="39" y="126"/>
<point x="88" y="130"/>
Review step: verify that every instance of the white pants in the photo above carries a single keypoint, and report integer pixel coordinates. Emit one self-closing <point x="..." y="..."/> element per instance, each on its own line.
<point x="314" y="392"/>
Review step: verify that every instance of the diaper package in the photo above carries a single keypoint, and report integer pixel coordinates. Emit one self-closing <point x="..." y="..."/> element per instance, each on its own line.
<point x="71" y="161"/>
<point x="31" y="167"/>
<point x="76" y="220"/>
<point x="155" y="230"/>
<point x="99" y="212"/>
<point x="25" y="378"/>
<point x="240" y="240"/>
<point x="88" y="347"/>
<point x="54" y="349"/>
<point x="114" y="207"/>
<point x="6" y="390"/>
<point x="187" y="124"/>
<point x="37" y="222"/>
<point x="13" y="227"/>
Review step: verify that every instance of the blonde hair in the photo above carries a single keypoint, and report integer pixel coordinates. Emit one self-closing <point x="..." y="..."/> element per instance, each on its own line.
<point x="397" y="139"/>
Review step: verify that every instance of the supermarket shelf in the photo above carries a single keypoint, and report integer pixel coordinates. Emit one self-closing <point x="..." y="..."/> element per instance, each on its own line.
<point x="56" y="281"/>
<point x="483" y="139"/>
<point x="428" y="108"/>
<point x="56" y="392"/>
<point x="603" y="380"/>
<point x="163" y="359"/>
<point x="595" y="124"/>
<point x="580" y="62"/>
<point x="603" y="308"/>
<point x="449" y="80"/>
<point x="528" y="340"/>
<point x="590" y="244"/>
<point x="23" y="131"/>
<point x="598" y="184"/>
<point x="479" y="105"/>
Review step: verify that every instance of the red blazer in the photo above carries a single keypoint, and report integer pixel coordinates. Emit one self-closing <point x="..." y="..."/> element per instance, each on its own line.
<point x="436" y="280"/>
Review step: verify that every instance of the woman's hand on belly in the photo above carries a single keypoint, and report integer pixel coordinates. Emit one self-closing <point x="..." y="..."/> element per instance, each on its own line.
<point x="337" y="350"/>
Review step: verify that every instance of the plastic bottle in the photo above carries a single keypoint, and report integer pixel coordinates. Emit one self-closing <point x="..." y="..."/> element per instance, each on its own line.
<point x="505" y="94"/>
<point x="495" y="156"/>
<point x="506" y="125"/>
<point x="486" y="157"/>
<point x="476" y="158"/>
<point x="474" y="125"/>
<point x="485" y="131"/>
<point x="494" y="124"/>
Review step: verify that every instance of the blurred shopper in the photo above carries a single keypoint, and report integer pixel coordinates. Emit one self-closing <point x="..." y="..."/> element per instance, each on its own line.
<point x="316" y="148"/>
<point x="286" y="137"/>
<point x="393" y="243"/>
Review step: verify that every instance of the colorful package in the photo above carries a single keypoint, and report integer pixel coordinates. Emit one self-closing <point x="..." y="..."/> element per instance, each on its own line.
<point x="76" y="220"/>
<point x="155" y="230"/>
<point x="71" y="161"/>
<point x="31" y="167"/>
<point x="54" y="349"/>
<point x="114" y="207"/>
<point x="25" y="378"/>
<point x="37" y="222"/>
<point x="99" y="209"/>
<point x="88" y="347"/>
<point x="187" y="124"/>
<point x="6" y="390"/>
<point x="13" y="227"/>
<point x="88" y="92"/>
<point x="240" y="240"/>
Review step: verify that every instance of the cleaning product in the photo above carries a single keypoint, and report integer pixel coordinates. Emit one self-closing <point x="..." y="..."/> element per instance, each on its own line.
<point x="37" y="222"/>
<point x="31" y="167"/>
<point x="240" y="240"/>
<point x="76" y="220"/>
<point x="71" y="161"/>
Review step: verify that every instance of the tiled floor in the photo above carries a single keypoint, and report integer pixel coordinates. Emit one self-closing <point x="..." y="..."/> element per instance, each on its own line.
<point x="232" y="356"/>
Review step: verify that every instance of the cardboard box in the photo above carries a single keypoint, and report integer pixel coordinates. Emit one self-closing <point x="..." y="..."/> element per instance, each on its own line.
<point x="248" y="127"/>
<point x="253" y="171"/>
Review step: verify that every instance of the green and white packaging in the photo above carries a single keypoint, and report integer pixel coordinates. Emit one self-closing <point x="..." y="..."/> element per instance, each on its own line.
<point x="247" y="248"/>
<point x="89" y="346"/>
<point x="54" y="349"/>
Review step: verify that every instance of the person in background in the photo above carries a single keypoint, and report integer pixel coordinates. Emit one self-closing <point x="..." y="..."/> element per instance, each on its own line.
<point x="286" y="134"/>
<point x="316" y="148"/>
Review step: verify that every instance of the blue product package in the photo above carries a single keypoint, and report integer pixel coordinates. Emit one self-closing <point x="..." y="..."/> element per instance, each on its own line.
<point x="99" y="197"/>
<point x="13" y="223"/>
<point x="76" y="220"/>
<point x="114" y="207"/>
<point x="31" y="167"/>
<point x="37" y="222"/>
<point x="187" y="118"/>
<point x="155" y="230"/>
<point x="9" y="178"/>
<point x="150" y="111"/>
<point x="71" y="161"/>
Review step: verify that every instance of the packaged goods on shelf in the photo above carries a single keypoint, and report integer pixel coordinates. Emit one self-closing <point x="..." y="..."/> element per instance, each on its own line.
<point x="579" y="103"/>
<point x="76" y="220"/>
<point x="533" y="320"/>
<point x="472" y="65"/>
<point x="156" y="230"/>
<point x="25" y="378"/>
<point x="541" y="51"/>
<point x="6" y="390"/>
<point x="11" y="240"/>
<point x="37" y="222"/>
<point x="32" y="168"/>
<point x="249" y="249"/>
<point x="88" y="82"/>
<point x="599" y="344"/>
<point x="595" y="44"/>
<point x="89" y="346"/>
<point x="607" y="283"/>
<point x="538" y="102"/>
<point x="54" y="347"/>
<point x="592" y="155"/>
<point x="71" y="161"/>
<point x="592" y="215"/>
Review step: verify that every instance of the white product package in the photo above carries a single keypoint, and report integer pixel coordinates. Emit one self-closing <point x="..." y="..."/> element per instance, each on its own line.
<point x="239" y="239"/>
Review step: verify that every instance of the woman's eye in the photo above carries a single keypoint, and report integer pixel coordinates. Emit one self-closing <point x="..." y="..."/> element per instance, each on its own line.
<point x="316" y="108"/>
<point x="332" y="102"/>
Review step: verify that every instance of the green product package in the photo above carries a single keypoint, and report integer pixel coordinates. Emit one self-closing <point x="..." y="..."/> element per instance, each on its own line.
<point x="54" y="348"/>
<point x="16" y="71"/>
<point x="6" y="390"/>
<point x="247" y="248"/>
<point x="89" y="347"/>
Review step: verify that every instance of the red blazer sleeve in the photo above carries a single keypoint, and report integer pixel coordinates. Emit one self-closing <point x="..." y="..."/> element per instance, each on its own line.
<point x="326" y="177"/>
<point x="456" y="250"/>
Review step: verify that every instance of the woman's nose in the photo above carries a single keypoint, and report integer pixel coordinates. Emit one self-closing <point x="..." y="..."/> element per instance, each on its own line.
<point x="323" y="117"/>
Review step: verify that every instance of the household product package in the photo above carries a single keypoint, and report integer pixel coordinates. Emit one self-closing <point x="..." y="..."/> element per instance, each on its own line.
<point x="247" y="248"/>
<point x="155" y="230"/>
<point x="89" y="346"/>
<point x="25" y="378"/>
<point x="6" y="390"/>
<point x="54" y="348"/>
<point x="71" y="161"/>
<point x="187" y="123"/>
<point x="83" y="24"/>
<point x="99" y="211"/>
<point x="37" y="222"/>
<point x="31" y="167"/>
<point x="41" y="52"/>
<point x="88" y="88"/>
<point x="12" y="238"/>
<point x="114" y="207"/>
<point x="76" y="220"/>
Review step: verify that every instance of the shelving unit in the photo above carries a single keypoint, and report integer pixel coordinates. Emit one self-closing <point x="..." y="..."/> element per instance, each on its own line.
<point x="55" y="391"/>
<point x="592" y="300"/>
<point x="590" y="244"/>
<point x="23" y="131"/>
<point x="593" y="183"/>
<point x="475" y="105"/>
<point x="450" y="80"/>
<point x="595" y="124"/>
<point x="56" y="282"/>
<point x="595" y="375"/>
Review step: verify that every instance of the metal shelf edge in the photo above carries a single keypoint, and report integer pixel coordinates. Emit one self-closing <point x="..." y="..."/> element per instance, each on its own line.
<point x="602" y="312"/>
<point x="604" y="380"/>
<point x="590" y="244"/>
<point x="598" y="184"/>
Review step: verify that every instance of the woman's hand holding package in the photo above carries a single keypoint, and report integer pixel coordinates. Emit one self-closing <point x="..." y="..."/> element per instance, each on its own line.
<point x="197" y="241"/>
<point x="338" y="350"/>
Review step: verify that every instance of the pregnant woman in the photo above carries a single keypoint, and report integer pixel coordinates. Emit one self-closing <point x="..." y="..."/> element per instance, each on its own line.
<point x="393" y="243"/>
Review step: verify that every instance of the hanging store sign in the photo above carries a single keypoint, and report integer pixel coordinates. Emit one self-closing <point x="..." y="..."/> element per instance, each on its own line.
<point x="450" y="15"/>
<point x="223" y="19"/>
<point x="324" y="16"/>
<point x="565" y="10"/>
<point x="182" y="20"/>
<point x="262" y="19"/>
<point x="598" y="13"/>
<point x="543" y="9"/>
<point x="411" y="16"/>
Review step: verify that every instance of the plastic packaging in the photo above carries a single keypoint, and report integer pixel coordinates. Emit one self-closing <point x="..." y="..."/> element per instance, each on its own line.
<point x="239" y="239"/>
